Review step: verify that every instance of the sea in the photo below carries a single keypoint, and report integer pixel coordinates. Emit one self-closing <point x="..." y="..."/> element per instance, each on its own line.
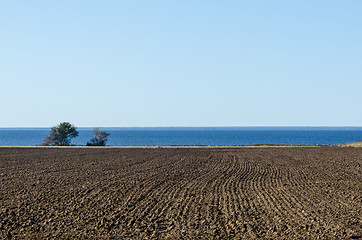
<point x="170" y="136"/>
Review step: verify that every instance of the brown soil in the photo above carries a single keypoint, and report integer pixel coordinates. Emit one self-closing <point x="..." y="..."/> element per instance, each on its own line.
<point x="267" y="193"/>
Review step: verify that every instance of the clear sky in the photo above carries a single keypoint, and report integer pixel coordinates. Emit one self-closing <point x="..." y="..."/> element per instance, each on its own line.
<point x="181" y="63"/>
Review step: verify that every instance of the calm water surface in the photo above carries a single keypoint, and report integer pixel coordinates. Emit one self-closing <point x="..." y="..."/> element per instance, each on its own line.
<point x="194" y="136"/>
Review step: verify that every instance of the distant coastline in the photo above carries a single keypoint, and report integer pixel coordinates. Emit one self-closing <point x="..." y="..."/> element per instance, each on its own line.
<point x="232" y="128"/>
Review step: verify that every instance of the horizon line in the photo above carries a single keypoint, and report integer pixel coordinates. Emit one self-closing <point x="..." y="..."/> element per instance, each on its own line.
<point x="259" y="126"/>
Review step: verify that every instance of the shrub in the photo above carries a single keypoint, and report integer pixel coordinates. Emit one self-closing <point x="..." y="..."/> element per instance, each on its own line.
<point x="100" y="138"/>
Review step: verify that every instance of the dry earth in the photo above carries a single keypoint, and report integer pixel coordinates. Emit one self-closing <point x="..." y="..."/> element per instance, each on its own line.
<point x="245" y="193"/>
<point x="355" y="144"/>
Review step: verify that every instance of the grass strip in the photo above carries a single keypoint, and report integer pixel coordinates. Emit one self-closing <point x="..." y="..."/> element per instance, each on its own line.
<point x="171" y="147"/>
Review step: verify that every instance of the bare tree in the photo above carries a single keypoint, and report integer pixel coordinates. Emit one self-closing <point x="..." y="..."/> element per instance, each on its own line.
<point x="100" y="138"/>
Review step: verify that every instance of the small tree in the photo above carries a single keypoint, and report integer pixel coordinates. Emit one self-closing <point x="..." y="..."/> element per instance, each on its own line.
<point x="61" y="135"/>
<point x="100" y="138"/>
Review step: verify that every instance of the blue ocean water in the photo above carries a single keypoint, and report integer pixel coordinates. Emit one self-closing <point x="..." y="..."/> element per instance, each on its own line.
<point x="195" y="136"/>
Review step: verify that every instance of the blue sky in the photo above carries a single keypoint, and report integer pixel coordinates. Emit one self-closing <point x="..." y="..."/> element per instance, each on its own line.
<point x="180" y="63"/>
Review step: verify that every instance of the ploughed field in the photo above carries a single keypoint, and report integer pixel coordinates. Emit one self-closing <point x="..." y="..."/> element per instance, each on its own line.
<point x="159" y="193"/>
